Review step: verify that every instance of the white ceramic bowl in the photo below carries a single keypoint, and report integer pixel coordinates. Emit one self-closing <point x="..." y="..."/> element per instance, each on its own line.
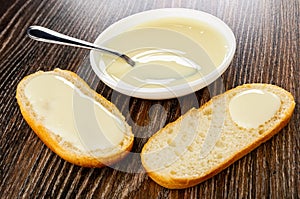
<point x="164" y="92"/>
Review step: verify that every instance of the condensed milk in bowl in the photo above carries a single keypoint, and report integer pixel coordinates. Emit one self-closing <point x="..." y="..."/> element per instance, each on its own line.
<point x="177" y="51"/>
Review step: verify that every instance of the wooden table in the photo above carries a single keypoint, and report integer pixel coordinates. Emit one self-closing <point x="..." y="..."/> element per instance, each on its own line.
<point x="268" y="46"/>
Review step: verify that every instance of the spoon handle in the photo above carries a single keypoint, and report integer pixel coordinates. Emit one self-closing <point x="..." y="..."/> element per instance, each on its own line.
<point x="46" y="35"/>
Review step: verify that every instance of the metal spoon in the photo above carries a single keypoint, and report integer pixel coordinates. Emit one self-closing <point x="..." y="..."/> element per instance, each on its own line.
<point x="46" y="35"/>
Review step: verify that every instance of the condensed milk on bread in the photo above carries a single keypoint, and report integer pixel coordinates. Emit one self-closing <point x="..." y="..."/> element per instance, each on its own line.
<point x="76" y="117"/>
<point x="253" y="107"/>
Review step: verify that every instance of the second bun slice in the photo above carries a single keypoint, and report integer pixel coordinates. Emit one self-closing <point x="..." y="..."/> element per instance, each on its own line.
<point x="73" y="120"/>
<point x="204" y="141"/>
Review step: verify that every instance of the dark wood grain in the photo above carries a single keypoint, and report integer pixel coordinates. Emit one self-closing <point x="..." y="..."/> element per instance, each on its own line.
<point x="268" y="46"/>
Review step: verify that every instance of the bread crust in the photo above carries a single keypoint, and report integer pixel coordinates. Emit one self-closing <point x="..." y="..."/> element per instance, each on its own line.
<point x="170" y="182"/>
<point x="84" y="159"/>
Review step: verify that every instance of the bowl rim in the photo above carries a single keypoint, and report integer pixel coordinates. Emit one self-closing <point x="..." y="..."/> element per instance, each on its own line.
<point x="172" y="91"/>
